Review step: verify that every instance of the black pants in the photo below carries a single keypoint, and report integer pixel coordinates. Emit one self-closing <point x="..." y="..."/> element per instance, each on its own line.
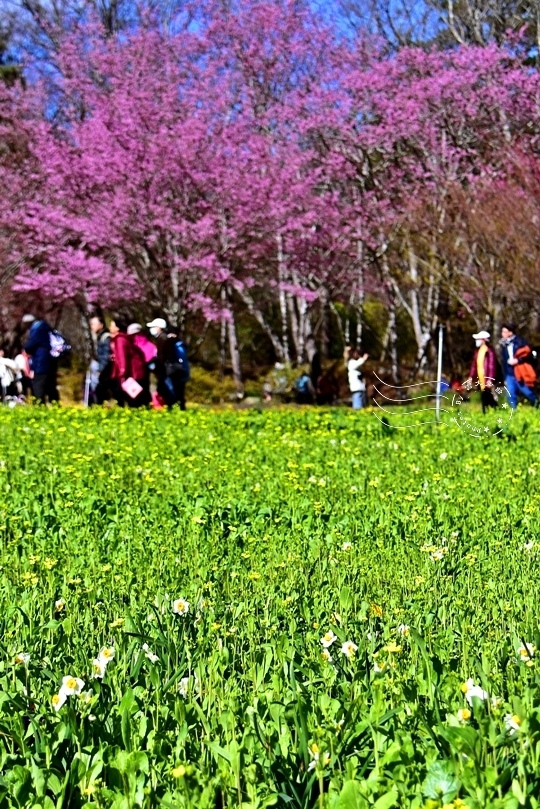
<point x="487" y="399"/>
<point x="103" y="387"/>
<point x="44" y="387"/>
<point x="172" y="390"/>
<point x="122" y="398"/>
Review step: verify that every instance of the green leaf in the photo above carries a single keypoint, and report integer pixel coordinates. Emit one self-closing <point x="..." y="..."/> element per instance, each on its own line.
<point x="388" y="800"/>
<point x="351" y="796"/>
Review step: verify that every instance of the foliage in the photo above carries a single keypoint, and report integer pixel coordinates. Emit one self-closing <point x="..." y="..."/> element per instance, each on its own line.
<point x="256" y="164"/>
<point x="277" y="528"/>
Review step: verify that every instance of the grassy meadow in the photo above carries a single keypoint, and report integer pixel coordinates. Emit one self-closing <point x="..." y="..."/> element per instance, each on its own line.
<point x="291" y="608"/>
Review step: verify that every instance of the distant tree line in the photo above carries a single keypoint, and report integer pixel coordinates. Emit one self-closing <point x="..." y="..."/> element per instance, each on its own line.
<point x="258" y="173"/>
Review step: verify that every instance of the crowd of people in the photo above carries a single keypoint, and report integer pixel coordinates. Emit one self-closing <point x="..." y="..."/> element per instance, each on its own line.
<point x="124" y="360"/>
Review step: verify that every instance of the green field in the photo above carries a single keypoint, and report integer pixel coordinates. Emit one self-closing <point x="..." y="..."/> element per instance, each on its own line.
<point x="196" y="560"/>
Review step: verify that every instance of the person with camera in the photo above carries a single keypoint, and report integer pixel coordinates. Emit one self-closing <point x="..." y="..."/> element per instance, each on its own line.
<point x="357" y="385"/>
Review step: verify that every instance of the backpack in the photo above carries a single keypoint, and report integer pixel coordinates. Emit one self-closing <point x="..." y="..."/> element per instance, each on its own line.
<point x="180" y="366"/>
<point x="58" y="344"/>
<point x="302" y="385"/>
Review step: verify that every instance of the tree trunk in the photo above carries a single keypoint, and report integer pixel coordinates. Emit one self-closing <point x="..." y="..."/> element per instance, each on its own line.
<point x="259" y="317"/>
<point x="223" y="335"/>
<point x="302" y="327"/>
<point x="360" y="296"/>
<point x="323" y="297"/>
<point x="234" y="351"/>
<point x="392" y="341"/>
<point x="421" y="334"/>
<point x="295" y="325"/>
<point x="283" y="300"/>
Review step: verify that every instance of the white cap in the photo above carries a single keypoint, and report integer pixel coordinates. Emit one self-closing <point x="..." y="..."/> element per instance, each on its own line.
<point x="28" y="319"/>
<point x="157" y="323"/>
<point x="134" y="328"/>
<point x="482" y="335"/>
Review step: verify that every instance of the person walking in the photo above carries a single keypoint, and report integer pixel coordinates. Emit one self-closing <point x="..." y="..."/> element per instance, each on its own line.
<point x="8" y="375"/>
<point x="171" y="365"/>
<point x="24" y="374"/>
<point x="129" y="375"/>
<point x="357" y="386"/>
<point x="44" y="365"/>
<point x="101" y="339"/>
<point x="519" y="374"/>
<point x="484" y="371"/>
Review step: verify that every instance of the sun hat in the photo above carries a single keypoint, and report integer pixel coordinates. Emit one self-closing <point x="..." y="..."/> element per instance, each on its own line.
<point x="134" y="328"/>
<point x="482" y="335"/>
<point x="157" y="323"/>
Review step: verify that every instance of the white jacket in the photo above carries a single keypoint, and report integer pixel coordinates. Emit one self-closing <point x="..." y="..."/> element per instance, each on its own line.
<point x="356" y="383"/>
<point x="8" y="372"/>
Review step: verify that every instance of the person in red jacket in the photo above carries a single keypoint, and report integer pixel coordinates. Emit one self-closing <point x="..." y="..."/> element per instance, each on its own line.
<point x="484" y="370"/>
<point x="128" y="363"/>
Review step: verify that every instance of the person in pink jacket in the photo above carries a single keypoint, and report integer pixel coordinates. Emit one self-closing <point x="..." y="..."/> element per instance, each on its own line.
<point x="148" y="348"/>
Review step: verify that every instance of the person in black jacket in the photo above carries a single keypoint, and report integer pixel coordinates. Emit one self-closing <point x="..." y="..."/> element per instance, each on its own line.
<point x="44" y="365"/>
<point x="171" y="377"/>
<point x="102" y="351"/>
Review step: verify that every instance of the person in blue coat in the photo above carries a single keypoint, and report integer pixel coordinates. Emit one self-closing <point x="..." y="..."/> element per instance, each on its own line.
<point x="515" y="352"/>
<point x="44" y="366"/>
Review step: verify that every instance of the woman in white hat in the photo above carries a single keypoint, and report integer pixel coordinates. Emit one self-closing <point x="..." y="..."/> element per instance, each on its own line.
<point x="484" y="372"/>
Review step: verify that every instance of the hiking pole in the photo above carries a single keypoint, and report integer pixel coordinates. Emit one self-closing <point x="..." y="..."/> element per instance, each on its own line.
<point x="439" y="374"/>
<point x="87" y="389"/>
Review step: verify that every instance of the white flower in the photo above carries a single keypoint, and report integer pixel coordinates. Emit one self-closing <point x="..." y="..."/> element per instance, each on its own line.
<point x="404" y="629"/>
<point x="473" y="691"/>
<point x="326" y="656"/>
<point x="346" y="546"/>
<point x="526" y="652"/>
<point x="71" y="685"/>
<point x="153" y="658"/>
<point x="98" y="669"/>
<point x="349" y="648"/>
<point x="59" y="699"/>
<point x="512" y="723"/>
<point x="23" y="658"/>
<point x="183" y="686"/>
<point x="328" y="639"/>
<point x="529" y="545"/>
<point x="316" y="757"/>
<point x="59" y="605"/>
<point x="443" y="456"/>
<point x="100" y="663"/>
<point x="180" y="606"/>
<point x="106" y="655"/>
<point x="438" y="555"/>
